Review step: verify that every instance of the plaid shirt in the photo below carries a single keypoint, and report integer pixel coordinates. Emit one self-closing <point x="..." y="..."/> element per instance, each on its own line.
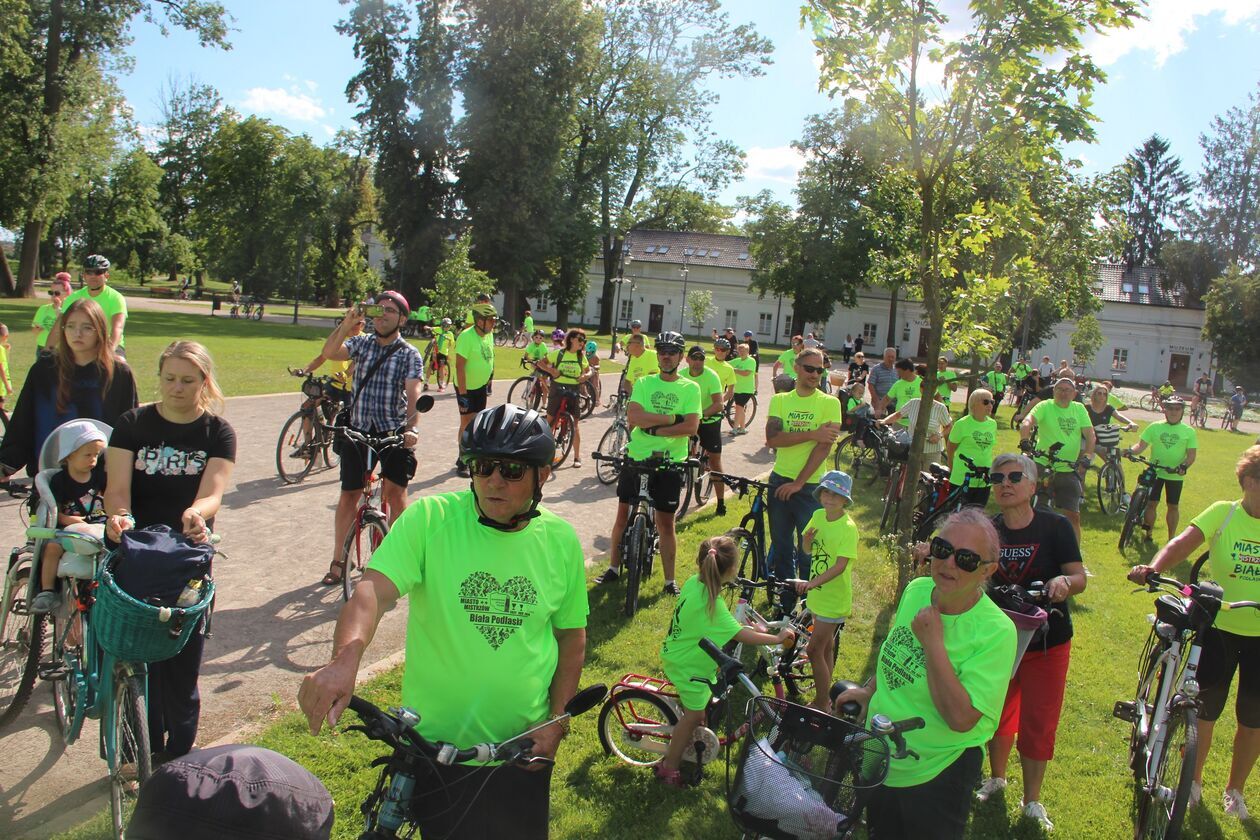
<point x="380" y="405"/>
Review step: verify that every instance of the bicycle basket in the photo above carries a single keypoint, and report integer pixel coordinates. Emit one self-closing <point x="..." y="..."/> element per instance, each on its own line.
<point x="801" y="772"/>
<point x="313" y="388"/>
<point x="134" y="631"/>
<point x="898" y="449"/>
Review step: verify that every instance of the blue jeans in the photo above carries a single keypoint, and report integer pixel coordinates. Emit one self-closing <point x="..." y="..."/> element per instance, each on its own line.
<point x="787" y="522"/>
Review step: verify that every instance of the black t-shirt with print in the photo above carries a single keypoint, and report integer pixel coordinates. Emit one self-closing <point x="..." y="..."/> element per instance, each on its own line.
<point x="1100" y="418"/>
<point x="1039" y="552"/>
<point x="80" y="498"/>
<point x="169" y="461"/>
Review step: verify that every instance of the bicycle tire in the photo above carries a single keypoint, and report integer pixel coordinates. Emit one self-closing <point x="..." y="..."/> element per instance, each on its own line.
<point x="520" y="341"/>
<point x="613" y="443"/>
<point x="750" y="411"/>
<point x="684" y="497"/>
<point x="1137" y="510"/>
<point x="587" y="400"/>
<point x="562" y="431"/>
<point x="1110" y="488"/>
<point x="924" y="528"/>
<point x="296" y="449"/>
<point x="524" y="392"/>
<point x="500" y="338"/>
<point x="4" y="424"/>
<point x="361" y="542"/>
<point x="21" y="642"/>
<point x="327" y="445"/>
<point x="69" y="687"/>
<point x="1146" y="402"/>
<point x="634" y="559"/>
<point x="892" y="498"/>
<point x="258" y="313"/>
<point x="131" y="747"/>
<point x="1158" y="819"/>
<point x="749" y="550"/>
<point x="704" y="485"/>
<point x="644" y="707"/>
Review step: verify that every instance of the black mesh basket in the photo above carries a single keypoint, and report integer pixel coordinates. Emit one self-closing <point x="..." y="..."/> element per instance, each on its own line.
<point x="313" y="388"/>
<point x="801" y="773"/>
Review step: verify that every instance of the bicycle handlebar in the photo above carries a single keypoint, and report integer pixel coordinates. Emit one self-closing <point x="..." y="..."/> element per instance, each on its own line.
<point x="1132" y="456"/>
<point x="738" y="483"/>
<point x="377" y="443"/>
<point x="653" y="463"/>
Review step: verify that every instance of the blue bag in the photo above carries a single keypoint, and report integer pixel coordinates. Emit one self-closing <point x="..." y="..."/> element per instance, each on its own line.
<point x="154" y="564"/>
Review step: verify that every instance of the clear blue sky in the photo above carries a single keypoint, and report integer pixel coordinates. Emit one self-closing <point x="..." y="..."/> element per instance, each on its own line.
<point x="1191" y="60"/>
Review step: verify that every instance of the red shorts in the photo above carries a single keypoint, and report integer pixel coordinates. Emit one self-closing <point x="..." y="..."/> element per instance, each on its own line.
<point x="1034" y="700"/>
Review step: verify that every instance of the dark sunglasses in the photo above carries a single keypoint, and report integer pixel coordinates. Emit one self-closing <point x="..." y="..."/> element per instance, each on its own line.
<point x="1014" y="476"/>
<point x="810" y="368"/>
<point x="986" y="402"/>
<point x="93" y="273"/>
<point x="964" y="558"/>
<point x="661" y="351"/>
<point x="56" y="294"/>
<point x="510" y="470"/>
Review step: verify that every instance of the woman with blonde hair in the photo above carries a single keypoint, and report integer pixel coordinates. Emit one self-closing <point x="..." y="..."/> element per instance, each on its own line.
<point x="81" y="379"/>
<point x="168" y="463"/>
<point x="972" y="435"/>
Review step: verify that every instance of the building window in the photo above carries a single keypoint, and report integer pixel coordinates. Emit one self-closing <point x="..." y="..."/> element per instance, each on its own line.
<point x="905" y="332"/>
<point x="869" y="333"/>
<point x="1120" y="359"/>
<point x="542" y="305"/>
<point x="732" y="319"/>
<point x="664" y="249"/>
<point x="787" y="326"/>
<point x="820" y="332"/>
<point x="627" y="310"/>
<point x="764" y="321"/>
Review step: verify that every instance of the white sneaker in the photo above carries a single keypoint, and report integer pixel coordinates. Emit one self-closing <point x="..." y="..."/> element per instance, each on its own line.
<point x="990" y="787"/>
<point x="1196" y="795"/>
<point x="1234" y="805"/>
<point x="1036" y="811"/>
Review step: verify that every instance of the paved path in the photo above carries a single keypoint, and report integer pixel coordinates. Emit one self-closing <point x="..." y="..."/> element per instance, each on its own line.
<point x="274" y="623"/>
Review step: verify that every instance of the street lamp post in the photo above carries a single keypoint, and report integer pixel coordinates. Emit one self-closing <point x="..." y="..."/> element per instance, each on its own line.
<point x="682" y="317"/>
<point x="620" y="281"/>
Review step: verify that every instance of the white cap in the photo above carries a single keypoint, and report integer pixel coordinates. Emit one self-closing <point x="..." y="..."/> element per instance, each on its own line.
<point x="70" y="436"/>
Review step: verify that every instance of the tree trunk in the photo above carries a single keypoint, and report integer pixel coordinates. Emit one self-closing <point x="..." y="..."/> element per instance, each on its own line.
<point x="7" y="284"/>
<point x="562" y="315"/>
<point x="893" y="329"/>
<point x="28" y="267"/>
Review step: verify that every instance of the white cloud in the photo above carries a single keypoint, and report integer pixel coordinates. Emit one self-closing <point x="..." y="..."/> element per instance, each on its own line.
<point x="285" y="103"/>
<point x="329" y="130"/>
<point x="1167" y="24"/>
<point x="780" y="163"/>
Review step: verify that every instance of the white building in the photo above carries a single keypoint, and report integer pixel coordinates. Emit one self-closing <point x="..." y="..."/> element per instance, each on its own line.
<point x="1147" y="336"/>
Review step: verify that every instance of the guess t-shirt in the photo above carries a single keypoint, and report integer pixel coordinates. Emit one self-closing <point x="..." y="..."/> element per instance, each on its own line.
<point x="1038" y="552"/>
<point x="169" y="460"/>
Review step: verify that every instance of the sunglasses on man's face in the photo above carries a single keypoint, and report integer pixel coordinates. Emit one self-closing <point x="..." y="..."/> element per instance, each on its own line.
<point x="964" y="558"/>
<point x="1014" y="476"/>
<point x="510" y="470"/>
<point x="811" y="368"/>
<point x="93" y="273"/>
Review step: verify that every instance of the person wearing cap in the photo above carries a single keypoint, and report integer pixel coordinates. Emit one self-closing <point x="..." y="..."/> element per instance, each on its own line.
<point x="1035" y="545"/>
<point x="232" y="792"/>
<point x="786" y="363"/>
<point x="474" y="367"/>
<point x="496" y="629"/>
<point x="1237" y="403"/>
<point x="1062" y="420"/>
<point x="1174" y="446"/>
<point x="640" y="362"/>
<point x="110" y="300"/>
<point x="830" y="541"/>
<point x="527" y="326"/>
<point x="636" y="329"/>
<point x="46" y="315"/>
<point x="802" y="426"/>
<point x="712" y="405"/>
<point x="77" y="495"/>
<point x="745" y="369"/>
<point x="753" y="347"/>
<point x="386" y="385"/>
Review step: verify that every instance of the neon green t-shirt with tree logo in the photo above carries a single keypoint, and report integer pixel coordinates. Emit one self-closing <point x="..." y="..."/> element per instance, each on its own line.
<point x="745" y="384"/>
<point x="1234" y="560"/>
<point x="484" y="606"/>
<point x="478" y="354"/>
<point x="980" y="644"/>
<point x="975" y="439"/>
<point x="900" y="393"/>
<point x="801" y="414"/>
<point x="835" y="538"/>
<point x="1060" y="425"/>
<point x="710" y="384"/>
<point x="1169" y="443"/>
<point x="682" y="396"/>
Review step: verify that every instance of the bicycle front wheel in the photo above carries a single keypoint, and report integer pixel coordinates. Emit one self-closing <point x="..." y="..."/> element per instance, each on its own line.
<point x="752" y="563"/>
<point x="562" y="431"/>
<point x="637" y="543"/>
<point x="1147" y="403"/>
<point x="1110" y="488"/>
<point x="704" y="484"/>
<point x="356" y="551"/>
<point x="131" y="761"/>
<point x="613" y="443"/>
<point x="524" y="392"/>
<point x="297" y="448"/>
<point x="21" y="641"/>
<point x="1163" y="800"/>
<point x="1137" y="510"/>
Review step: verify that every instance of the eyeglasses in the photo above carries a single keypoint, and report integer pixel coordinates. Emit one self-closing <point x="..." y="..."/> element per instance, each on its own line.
<point x="389" y="310"/>
<point x="510" y="470"/>
<point x="810" y="368"/>
<point x="81" y="329"/>
<point x="1014" y="476"/>
<point x="667" y="351"/>
<point x="964" y="558"/>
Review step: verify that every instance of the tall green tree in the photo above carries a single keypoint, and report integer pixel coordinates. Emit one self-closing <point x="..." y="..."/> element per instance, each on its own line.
<point x="1157" y="200"/>
<point x="458" y="282"/>
<point x="119" y="213"/>
<point x="1227" y="213"/>
<point x="1190" y="266"/>
<point x="1015" y="78"/>
<point x="1232" y="323"/>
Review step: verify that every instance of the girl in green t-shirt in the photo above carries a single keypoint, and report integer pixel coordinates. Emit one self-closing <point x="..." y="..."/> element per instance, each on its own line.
<point x="702" y="614"/>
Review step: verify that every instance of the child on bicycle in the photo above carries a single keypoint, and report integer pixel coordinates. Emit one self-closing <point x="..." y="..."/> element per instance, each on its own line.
<point x="831" y="540"/>
<point x="78" y="494"/>
<point x="700" y="614"/>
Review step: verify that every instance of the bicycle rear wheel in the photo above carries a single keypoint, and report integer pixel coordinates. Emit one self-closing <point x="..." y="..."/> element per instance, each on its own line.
<point x="361" y="541"/>
<point x="704" y="484"/>
<point x="1147" y="403"/>
<point x="635" y="725"/>
<point x="587" y="400"/>
<point x="1162" y="802"/>
<point x="297" y="447"/>
<point x="1137" y="510"/>
<point x="690" y="477"/>
<point x="524" y="392"/>
<point x="751" y="563"/>
<point x="21" y="640"/>
<point x="636" y="545"/>
<point x="1110" y="488"/>
<point x="562" y="431"/>
<point x="131" y="762"/>
<point x="613" y="443"/>
<point x="892" y="499"/>
<point x="857" y="459"/>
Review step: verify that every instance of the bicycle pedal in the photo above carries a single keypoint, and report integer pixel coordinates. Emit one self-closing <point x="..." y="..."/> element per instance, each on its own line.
<point x="52" y="671"/>
<point x="1125" y="710"/>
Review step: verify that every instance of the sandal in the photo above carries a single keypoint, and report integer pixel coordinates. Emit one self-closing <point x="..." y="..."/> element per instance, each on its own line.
<point x="331" y="579"/>
<point x="669" y="778"/>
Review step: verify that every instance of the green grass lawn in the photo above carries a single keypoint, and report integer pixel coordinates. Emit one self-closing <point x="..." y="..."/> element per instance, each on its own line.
<point x="1087" y="790"/>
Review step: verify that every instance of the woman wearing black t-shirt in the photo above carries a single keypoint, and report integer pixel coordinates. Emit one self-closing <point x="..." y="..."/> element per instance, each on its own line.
<point x="168" y="464"/>
<point x="1101" y="414"/>
<point x="1036" y="545"/>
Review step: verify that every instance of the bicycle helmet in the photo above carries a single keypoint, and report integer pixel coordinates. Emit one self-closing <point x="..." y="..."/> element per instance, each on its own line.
<point x="670" y="340"/>
<point x="636" y="323"/>
<point x="509" y="431"/>
<point x="721" y="344"/>
<point x="1173" y="402"/>
<point x="397" y="299"/>
<point x="446" y="322"/>
<point x="592" y="347"/>
<point x="95" y="262"/>
<point x="485" y="310"/>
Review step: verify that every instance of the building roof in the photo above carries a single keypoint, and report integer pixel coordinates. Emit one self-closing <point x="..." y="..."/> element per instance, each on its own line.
<point x="667" y="246"/>
<point x="1143" y="285"/>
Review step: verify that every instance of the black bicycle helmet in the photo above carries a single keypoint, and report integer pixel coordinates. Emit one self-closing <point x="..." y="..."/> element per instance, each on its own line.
<point x="670" y="340"/>
<point x="721" y="344"/>
<point x="508" y="431"/>
<point x="95" y="262"/>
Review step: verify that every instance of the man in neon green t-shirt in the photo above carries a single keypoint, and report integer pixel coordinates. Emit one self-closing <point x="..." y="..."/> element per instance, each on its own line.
<point x="496" y="633"/>
<point x="946" y="380"/>
<point x="802" y="425"/>
<point x="527" y="326"/>
<point x="712" y="406"/>
<point x="641" y="362"/>
<point x="110" y="300"/>
<point x="1174" y="446"/>
<point x="903" y="390"/>
<point x="663" y="413"/>
<point x="786" y="363"/>
<point x="474" y="367"/>
<point x="1065" y="421"/>
<point x="745" y="368"/>
<point x="996" y="380"/>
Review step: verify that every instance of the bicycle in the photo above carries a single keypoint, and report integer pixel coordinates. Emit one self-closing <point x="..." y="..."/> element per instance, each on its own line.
<point x="750" y="411"/>
<point x="253" y="308"/>
<point x="1141" y="496"/>
<point x="614" y="440"/>
<point x="937" y="498"/>
<point x="388" y="811"/>
<point x="787" y="665"/>
<point x="1046" y="472"/>
<point x="1199" y="412"/>
<point x="307" y="436"/>
<point x="698" y="482"/>
<point x="440" y="369"/>
<point x="1163" y="743"/>
<point x="865" y="451"/>
<point x="563" y="425"/>
<point x="101" y="641"/>
<point x="529" y="390"/>
<point x="640" y="542"/>
<point x="21" y="631"/>
<point x="1111" y="495"/>
<point x="1025" y="397"/>
<point x="1152" y="401"/>
<point x="895" y="453"/>
<point x="750" y="534"/>
<point x="504" y="335"/>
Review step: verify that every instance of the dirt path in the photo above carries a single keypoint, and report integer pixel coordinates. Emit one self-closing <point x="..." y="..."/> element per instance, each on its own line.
<point x="274" y="622"/>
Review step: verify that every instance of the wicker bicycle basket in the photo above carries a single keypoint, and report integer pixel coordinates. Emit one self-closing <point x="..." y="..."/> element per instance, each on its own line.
<point x="801" y="773"/>
<point x="134" y="631"/>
